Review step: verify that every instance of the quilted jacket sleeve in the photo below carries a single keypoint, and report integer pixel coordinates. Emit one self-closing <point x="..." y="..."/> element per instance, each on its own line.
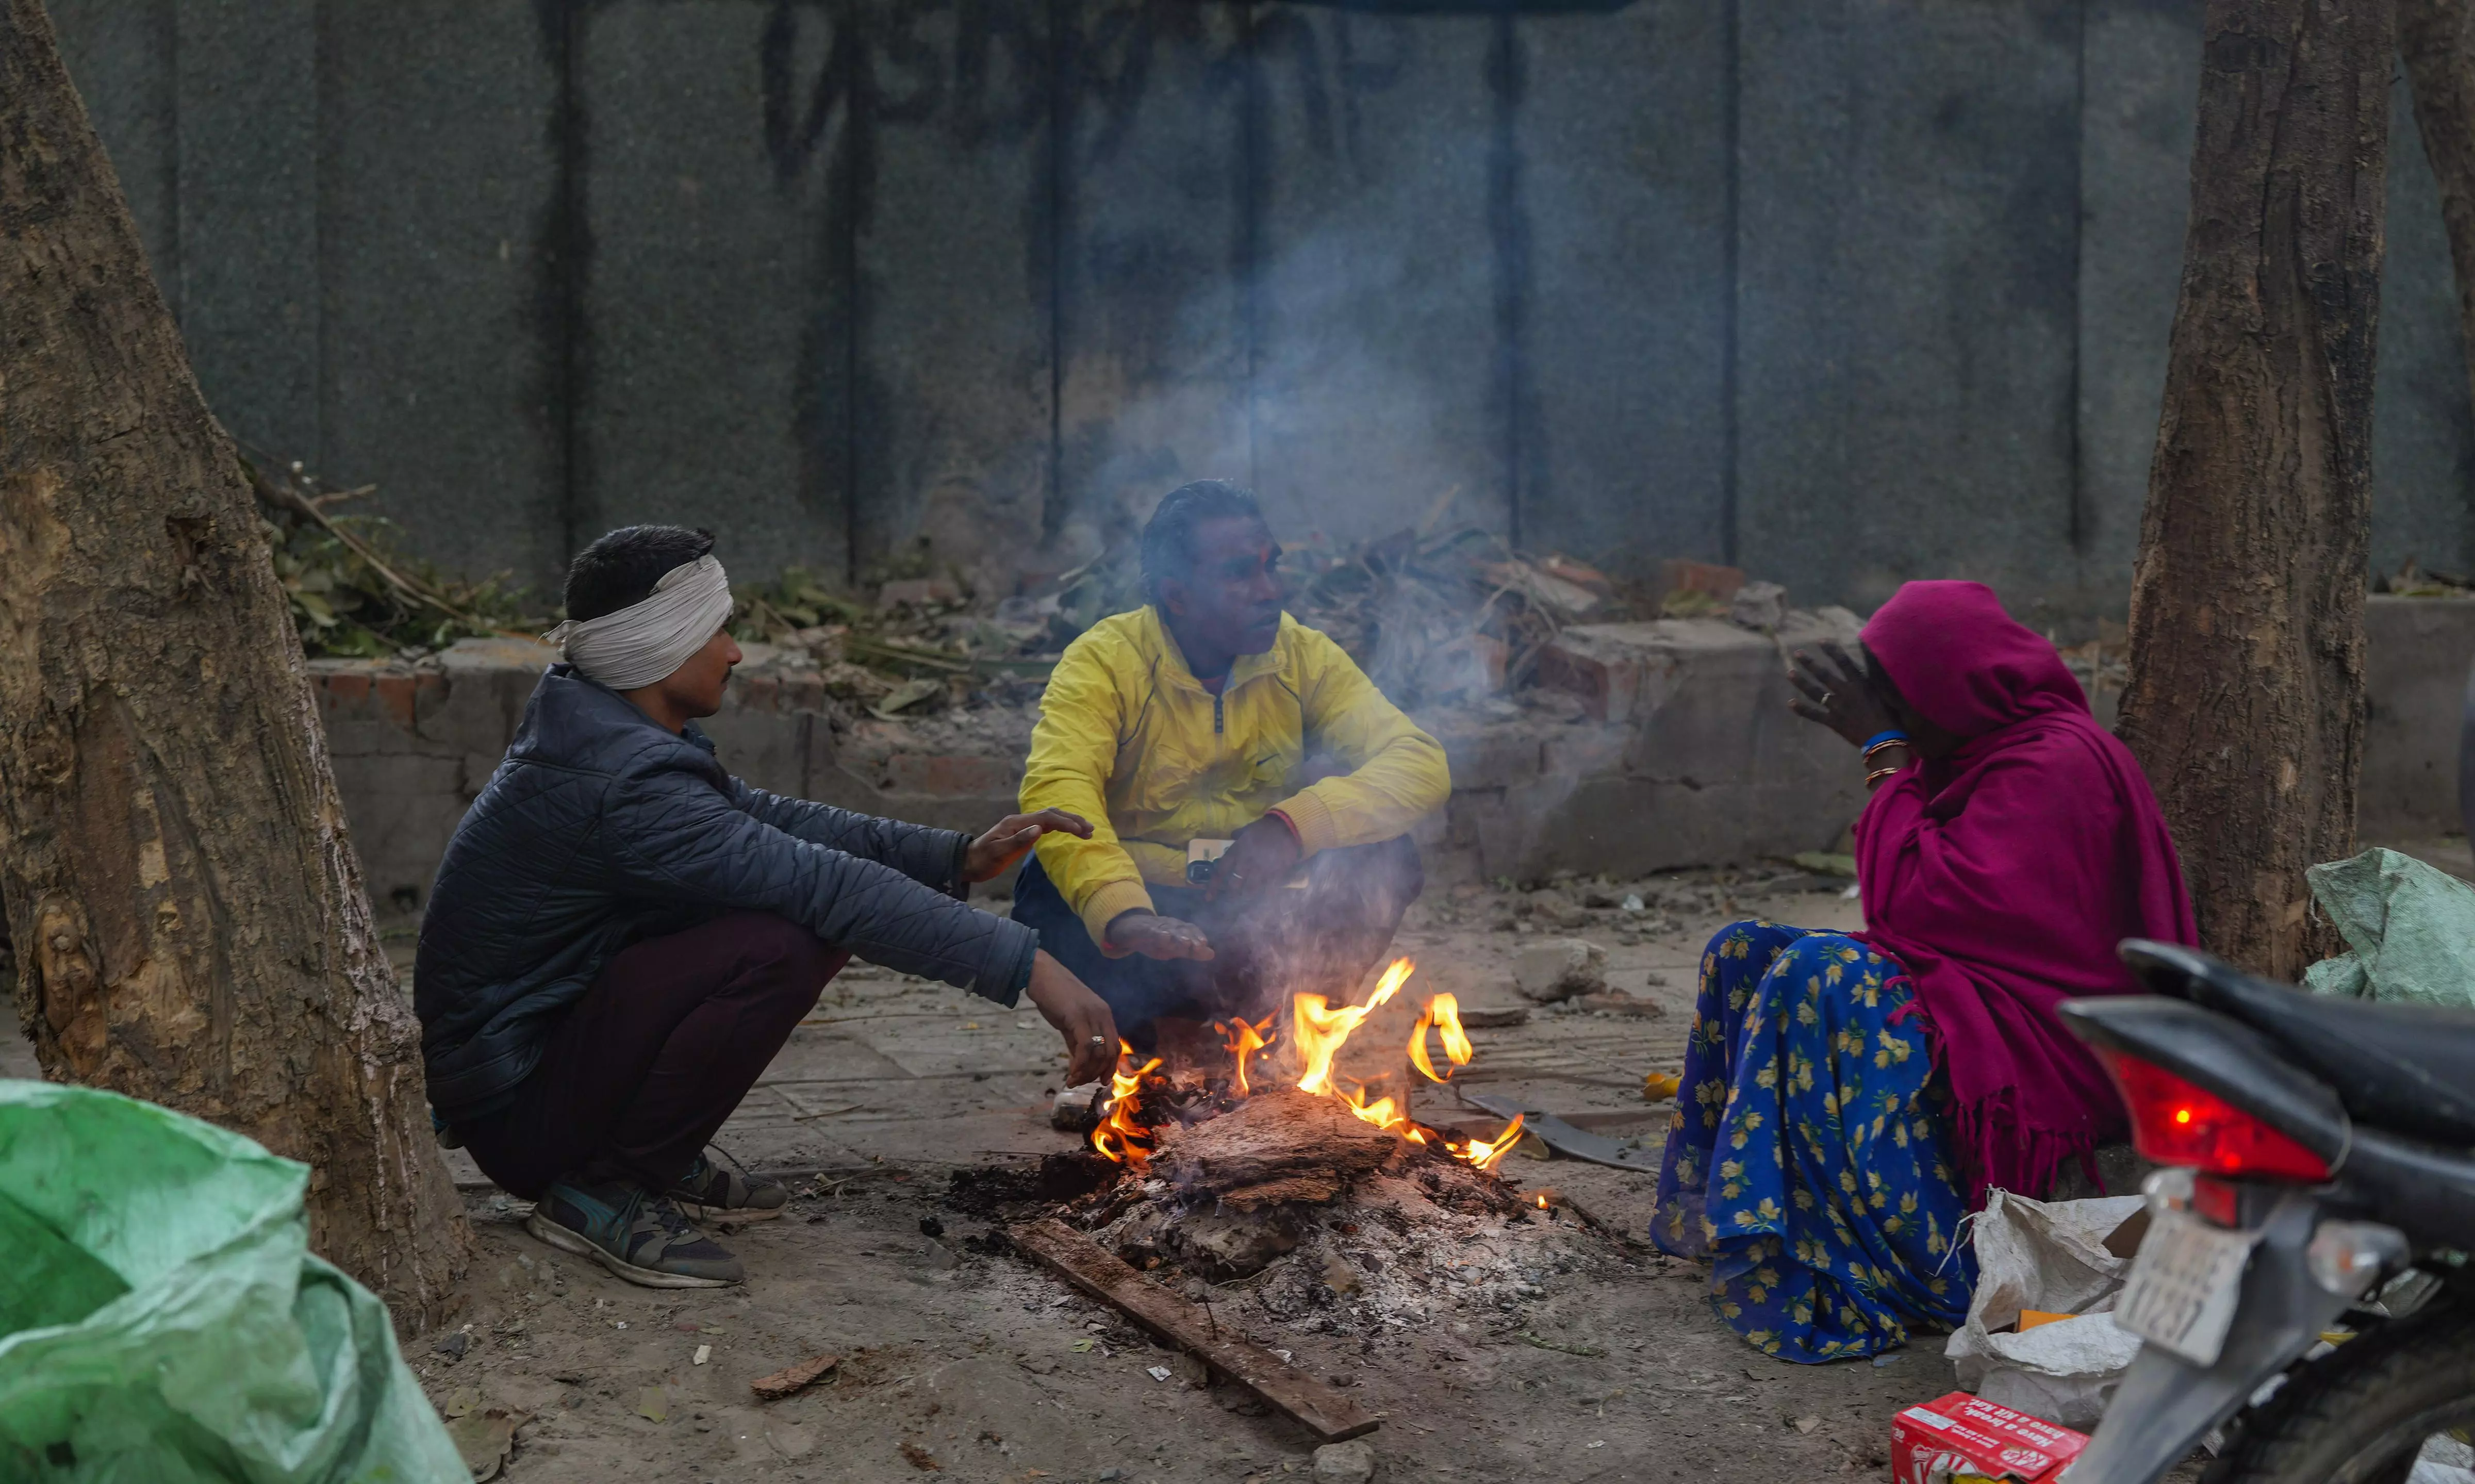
<point x="932" y="858"/>
<point x="674" y="834"/>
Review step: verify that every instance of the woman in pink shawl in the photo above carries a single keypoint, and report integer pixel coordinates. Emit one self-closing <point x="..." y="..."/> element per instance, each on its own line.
<point x="1850" y="1096"/>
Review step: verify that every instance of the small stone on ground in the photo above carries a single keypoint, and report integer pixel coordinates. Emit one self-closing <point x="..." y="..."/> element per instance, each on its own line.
<point x="1344" y="1463"/>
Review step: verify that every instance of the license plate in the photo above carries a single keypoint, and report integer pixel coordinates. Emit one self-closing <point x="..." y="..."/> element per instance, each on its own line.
<point x="2184" y="1285"/>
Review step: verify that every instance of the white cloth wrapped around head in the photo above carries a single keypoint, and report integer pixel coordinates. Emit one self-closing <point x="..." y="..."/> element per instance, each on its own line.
<point x="647" y="642"/>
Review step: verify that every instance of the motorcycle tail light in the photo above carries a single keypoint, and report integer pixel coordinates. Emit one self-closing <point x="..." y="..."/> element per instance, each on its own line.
<point x="2218" y="1202"/>
<point x="2175" y="1123"/>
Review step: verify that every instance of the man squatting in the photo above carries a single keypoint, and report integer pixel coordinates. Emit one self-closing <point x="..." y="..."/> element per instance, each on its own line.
<point x="1209" y="715"/>
<point x="622" y="934"/>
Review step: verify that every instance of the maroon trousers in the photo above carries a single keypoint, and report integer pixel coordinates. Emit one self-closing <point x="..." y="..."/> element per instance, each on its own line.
<point x="658" y="1052"/>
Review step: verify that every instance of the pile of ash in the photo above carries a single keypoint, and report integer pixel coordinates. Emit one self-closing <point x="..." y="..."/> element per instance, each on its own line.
<point x="1290" y="1211"/>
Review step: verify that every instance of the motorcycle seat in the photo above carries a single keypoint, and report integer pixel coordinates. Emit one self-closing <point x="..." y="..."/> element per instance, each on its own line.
<point x="2406" y="1068"/>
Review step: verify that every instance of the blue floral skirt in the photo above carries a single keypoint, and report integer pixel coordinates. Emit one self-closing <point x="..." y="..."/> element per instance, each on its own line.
<point x="1808" y="1160"/>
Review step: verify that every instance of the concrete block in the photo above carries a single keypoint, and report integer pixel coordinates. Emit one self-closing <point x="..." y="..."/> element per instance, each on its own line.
<point x="1558" y="968"/>
<point x="488" y="682"/>
<point x="2418" y="653"/>
<point x="1487" y="755"/>
<point x="767" y="748"/>
<point x="372" y="707"/>
<point x="1699" y="761"/>
<point x="1621" y="672"/>
<point x="402" y="809"/>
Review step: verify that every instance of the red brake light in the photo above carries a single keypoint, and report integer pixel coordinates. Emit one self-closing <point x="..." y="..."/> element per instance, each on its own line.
<point x="2172" y="1122"/>
<point x="2218" y="1200"/>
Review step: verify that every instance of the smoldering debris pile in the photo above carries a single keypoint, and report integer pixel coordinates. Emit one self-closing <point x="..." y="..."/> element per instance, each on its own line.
<point x="1291" y="1210"/>
<point x="1438" y="619"/>
<point x="1455" y="618"/>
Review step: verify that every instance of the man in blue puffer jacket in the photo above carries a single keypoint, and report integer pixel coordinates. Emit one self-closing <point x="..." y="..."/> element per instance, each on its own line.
<point x="622" y="934"/>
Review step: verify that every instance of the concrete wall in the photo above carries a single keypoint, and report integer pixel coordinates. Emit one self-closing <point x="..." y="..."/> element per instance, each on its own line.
<point x="2419" y="653"/>
<point x="1844" y="290"/>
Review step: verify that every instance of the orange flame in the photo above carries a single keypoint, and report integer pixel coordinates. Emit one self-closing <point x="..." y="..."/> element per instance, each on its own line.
<point x="1443" y="1014"/>
<point x="1379" y="1112"/>
<point x="1131" y="1139"/>
<point x="1321" y="1030"/>
<point x="1243" y="1042"/>
<point x="1486" y="1154"/>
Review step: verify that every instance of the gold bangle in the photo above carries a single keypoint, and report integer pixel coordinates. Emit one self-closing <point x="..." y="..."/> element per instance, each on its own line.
<point x="1884" y="746"/>
<point x="1879" y="775"/>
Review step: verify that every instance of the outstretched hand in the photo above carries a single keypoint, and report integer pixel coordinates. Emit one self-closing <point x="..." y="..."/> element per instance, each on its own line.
<point x="1839" y="692"/>
<point x="1079" y="1015"/>
<point x="1156" y="936"/>
<point x="1010" y="837"/>
<point x="1260" y="859"/>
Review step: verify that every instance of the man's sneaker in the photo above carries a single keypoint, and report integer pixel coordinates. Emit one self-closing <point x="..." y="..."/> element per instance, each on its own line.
<point x="642" y="1237"/>
<point x="710" y="1192"/>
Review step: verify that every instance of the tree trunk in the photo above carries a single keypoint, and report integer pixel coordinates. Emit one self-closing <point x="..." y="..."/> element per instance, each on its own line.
<point x="2246" y="702"/>
<point x="2438" y="37"/>
<point x="188" y="913"/>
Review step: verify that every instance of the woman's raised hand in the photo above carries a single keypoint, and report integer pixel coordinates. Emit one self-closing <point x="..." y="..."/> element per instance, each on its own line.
<point x="1839" y="692"/>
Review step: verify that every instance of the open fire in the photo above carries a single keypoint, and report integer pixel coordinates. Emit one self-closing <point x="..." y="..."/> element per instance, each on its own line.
<point x="1317" y="1033"/>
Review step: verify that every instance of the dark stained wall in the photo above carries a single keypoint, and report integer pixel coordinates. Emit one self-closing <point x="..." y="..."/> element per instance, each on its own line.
<point x="1848" y="291"/>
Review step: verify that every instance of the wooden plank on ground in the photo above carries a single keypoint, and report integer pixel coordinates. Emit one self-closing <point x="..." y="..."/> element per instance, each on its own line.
<point x="1096" y="1271"/>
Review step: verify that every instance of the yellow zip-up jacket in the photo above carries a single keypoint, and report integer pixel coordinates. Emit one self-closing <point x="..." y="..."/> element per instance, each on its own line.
<point x="1131" y="740"/>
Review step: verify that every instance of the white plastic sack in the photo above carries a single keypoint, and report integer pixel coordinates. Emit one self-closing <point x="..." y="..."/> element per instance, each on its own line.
<point x="2048" y="1256"/>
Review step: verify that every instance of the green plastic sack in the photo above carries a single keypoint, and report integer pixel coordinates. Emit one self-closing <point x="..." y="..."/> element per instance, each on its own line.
<point x="162" y="1321"/>
<point x="2412" y="929"/>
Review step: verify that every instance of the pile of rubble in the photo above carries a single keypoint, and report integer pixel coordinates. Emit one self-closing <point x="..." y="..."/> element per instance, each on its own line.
<point x="1455" y="618"/>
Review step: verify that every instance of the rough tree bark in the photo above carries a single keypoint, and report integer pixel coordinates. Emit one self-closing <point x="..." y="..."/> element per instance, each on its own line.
<point x="2438" y="39"/>
<point x="191" y="922"/>
<point x="2246" y="702"/>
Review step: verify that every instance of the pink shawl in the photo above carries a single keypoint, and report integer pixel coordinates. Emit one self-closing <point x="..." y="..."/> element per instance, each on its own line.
<point x="2003" y="875"/>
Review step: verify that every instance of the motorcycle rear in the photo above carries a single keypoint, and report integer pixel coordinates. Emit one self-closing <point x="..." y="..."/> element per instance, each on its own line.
<point x="2302" y="1290"/>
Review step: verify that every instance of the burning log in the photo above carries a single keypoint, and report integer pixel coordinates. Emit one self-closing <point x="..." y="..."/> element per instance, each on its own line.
<point x="1141" y="1099"/>
<point x="1279" y="1145"/>
<point x="1090" y="1267"/>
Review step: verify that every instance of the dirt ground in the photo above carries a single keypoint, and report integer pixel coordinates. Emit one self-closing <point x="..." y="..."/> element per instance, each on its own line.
<point x="1606" y="1365"/>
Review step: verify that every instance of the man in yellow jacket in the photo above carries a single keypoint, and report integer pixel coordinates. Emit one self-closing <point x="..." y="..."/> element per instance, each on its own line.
<point x="1211" y="716"/>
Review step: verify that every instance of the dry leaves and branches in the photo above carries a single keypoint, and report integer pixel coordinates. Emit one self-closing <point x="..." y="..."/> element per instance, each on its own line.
<point x="353" y="593"/>
<point x="1459" y="615"/>
<point x="1435" y="617"/>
